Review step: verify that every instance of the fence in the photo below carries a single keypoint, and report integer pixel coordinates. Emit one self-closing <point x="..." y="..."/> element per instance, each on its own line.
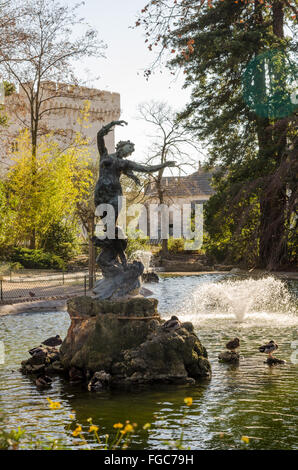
<point x="59" y="285"/>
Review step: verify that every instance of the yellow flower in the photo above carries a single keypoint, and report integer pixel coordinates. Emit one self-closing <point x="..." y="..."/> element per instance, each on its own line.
<point x="72" y="416"/>
<point x="118" y="425"/>
<point x="54" y="405"/>
<point x="89" y="420"/>
<point x="128" y="428"/>
<point x="93" y="428"/>
<point x="77" y="431"/>
<point x="147" y="426"/>
<point x="245" y="439"/>
<point x="188" y="401"/>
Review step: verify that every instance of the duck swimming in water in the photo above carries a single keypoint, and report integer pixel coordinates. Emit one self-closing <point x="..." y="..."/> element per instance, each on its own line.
<point x="268" y="348"/>
<point x="234" y="344"/>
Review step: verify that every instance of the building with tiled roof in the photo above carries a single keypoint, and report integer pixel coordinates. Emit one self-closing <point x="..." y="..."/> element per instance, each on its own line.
<point x="180" y="190"/>
<point x="197" y="185"/>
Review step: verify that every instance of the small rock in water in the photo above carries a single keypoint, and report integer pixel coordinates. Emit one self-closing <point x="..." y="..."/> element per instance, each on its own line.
<point x="150" y="277"/>
<point x="273" y="361"/>
<point x="43" y="381"/>
<point x="229" y="356"/>
<point x="99" y="381"/>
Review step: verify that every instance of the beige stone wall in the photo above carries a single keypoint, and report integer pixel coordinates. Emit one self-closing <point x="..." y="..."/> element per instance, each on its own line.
<point x="65" y="103"/>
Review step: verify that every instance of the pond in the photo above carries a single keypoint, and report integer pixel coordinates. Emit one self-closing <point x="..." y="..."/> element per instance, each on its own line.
<point x="251" y="399"/>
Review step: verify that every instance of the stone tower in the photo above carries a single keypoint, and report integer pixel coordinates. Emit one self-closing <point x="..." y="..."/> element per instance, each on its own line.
<point x="59" y="114"/>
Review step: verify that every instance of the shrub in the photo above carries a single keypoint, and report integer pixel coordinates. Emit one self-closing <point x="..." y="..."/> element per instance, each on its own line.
<point x="176" y="245"/>
<point x="61" y="240"/>
<point x="136" y="244"/>
<point x="36" y="259"/>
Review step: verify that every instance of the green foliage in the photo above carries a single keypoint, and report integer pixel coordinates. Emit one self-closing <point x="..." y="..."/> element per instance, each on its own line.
<point x="36" y="259"/>
<point x="61" y="239"/>
<point x="11" y="440"/>
<point x="232" y="224"/>
<point x="40" y="194"/>
<point x="240" y="65"/>
<point x="135" y="244"/>
<point x="176" y="245"/>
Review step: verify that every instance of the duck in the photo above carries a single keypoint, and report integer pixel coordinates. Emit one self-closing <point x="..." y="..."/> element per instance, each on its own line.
<point x="172" y="324"/>
<point x="52" y="341"/>
<point x="268" y="348"/>
<point x="233" y="344"/>
<point x="43" y="381"/>
<point x="34" y="351"/>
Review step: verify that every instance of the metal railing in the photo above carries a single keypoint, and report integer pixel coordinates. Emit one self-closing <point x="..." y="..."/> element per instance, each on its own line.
<point x="53" y="286"/>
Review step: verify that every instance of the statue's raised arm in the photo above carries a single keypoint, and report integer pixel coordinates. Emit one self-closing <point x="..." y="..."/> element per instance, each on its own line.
<point x="102" y="133"/>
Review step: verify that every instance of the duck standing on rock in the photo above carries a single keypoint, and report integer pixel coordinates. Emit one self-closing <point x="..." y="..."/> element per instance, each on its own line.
<point x="233" y="345"/>
<point x="269" y="348"/>
<point x="52" y="341"/>
<point x="172" y="324"/>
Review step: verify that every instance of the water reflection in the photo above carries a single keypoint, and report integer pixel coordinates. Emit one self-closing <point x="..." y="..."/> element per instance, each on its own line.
<point x="250" y="399"/>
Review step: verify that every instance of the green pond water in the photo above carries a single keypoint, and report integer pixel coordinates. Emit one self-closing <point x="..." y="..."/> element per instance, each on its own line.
<point x="251" y="399"/>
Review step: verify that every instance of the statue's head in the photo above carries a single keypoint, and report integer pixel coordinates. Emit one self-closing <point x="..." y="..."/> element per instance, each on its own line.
<point x="124" y="148"/>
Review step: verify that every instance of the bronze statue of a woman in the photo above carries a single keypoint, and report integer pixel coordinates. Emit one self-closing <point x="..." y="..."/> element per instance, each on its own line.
<point x="119" y="277"/>
<point x="111" y="166"/>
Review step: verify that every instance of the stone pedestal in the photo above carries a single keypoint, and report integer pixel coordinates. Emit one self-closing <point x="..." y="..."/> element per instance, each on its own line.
<point x="125" y="340"/>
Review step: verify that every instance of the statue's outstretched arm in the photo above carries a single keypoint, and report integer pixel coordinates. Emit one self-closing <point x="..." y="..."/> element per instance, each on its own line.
<point x="103" y="132"/>
<point x="129" y="165"/>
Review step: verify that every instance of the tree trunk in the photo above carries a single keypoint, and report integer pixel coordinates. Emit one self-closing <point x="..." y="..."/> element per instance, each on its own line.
<point x="273" y="251"/>
<point x="272" y="145"/>
<point x="164" y="242"/>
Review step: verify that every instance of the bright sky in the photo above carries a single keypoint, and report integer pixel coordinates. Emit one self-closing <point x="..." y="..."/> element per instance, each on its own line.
<point x="122" y="70"/>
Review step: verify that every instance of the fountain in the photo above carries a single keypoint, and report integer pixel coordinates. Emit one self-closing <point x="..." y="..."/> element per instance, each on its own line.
<point x="241" y="299"/>
<point x="116" y="336"/>
<point x="143" y="256"/>
<point x="149" y="275"/>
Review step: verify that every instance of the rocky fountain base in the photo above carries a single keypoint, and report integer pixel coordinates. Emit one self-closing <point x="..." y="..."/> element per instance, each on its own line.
<point x="124" y="342"/>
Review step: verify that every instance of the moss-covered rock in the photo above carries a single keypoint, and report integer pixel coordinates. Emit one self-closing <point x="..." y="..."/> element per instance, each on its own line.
<point x="127" y="340"/>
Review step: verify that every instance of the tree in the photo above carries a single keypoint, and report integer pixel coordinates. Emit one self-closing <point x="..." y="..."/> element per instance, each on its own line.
<point x="241" y="68"/>
<point x="170" y="141"/>
<point x="10" y="14"/>
<point x="85" y="210"/>
<point x="47" y="54"/>
<point x="52" y="198"/>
